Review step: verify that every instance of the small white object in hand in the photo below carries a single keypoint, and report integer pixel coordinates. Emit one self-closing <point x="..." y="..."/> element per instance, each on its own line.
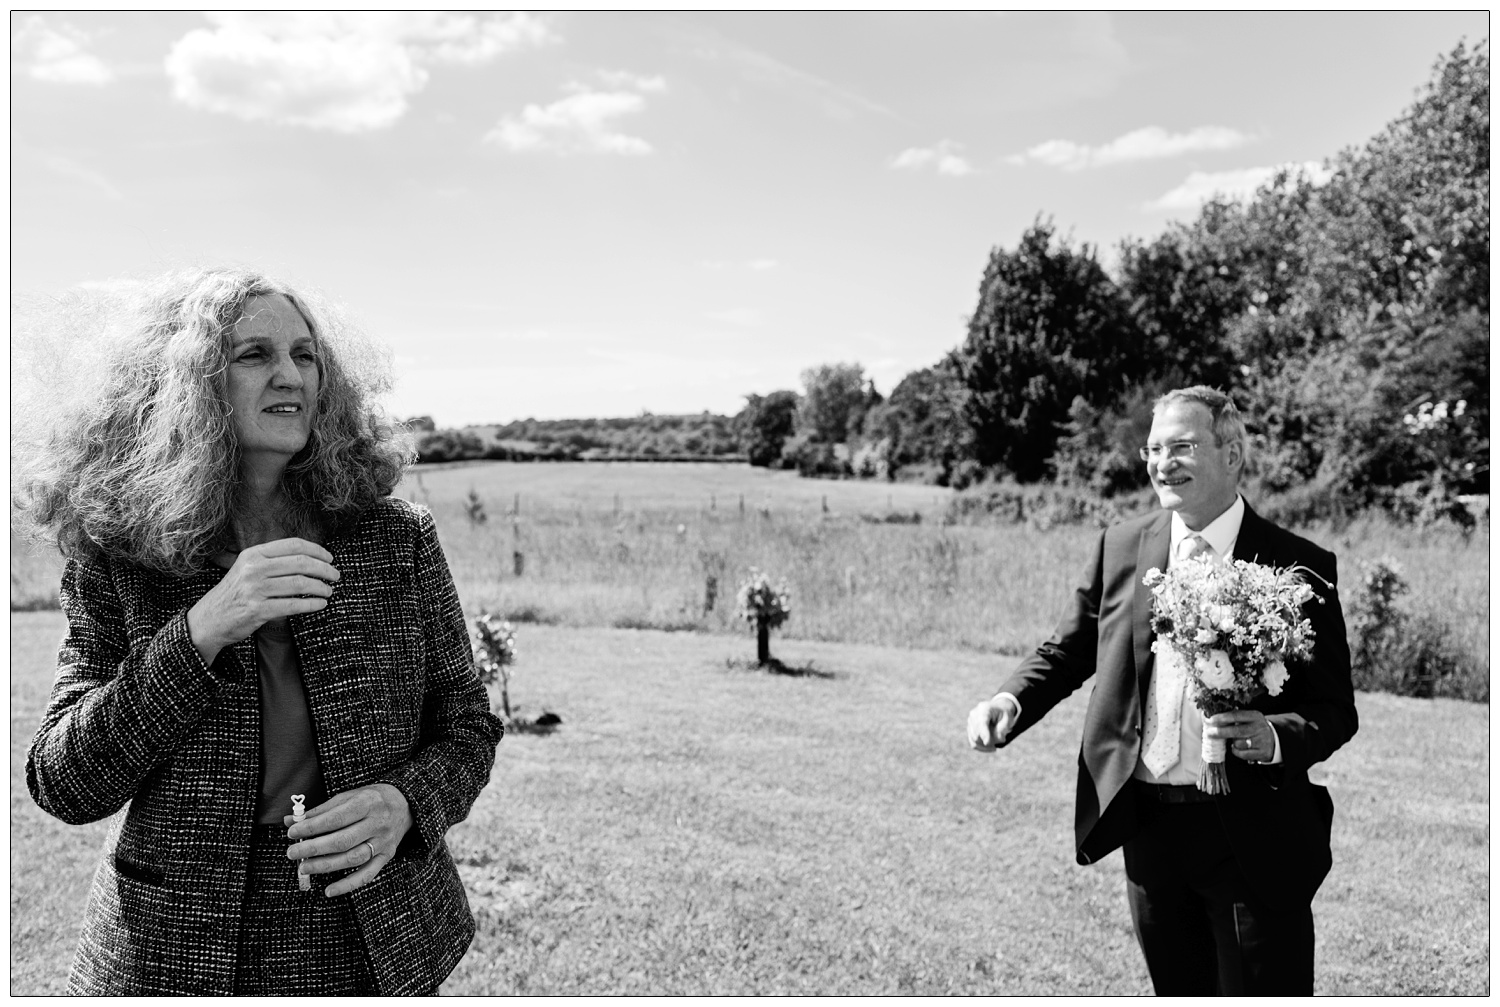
<point x="299" y="811"/>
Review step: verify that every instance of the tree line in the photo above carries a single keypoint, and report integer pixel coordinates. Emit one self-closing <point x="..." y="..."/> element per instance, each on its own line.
<point x="1349" y="318"/>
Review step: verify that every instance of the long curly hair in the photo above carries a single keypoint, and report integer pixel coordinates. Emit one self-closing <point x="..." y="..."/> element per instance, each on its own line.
<point x="132" y="453"/>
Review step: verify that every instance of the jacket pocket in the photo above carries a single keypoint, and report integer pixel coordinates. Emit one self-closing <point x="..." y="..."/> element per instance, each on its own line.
<point x="143" y="873"/>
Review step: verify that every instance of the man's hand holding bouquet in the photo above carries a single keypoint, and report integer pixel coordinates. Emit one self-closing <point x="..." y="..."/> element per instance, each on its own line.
<point x="1235" y="626"/>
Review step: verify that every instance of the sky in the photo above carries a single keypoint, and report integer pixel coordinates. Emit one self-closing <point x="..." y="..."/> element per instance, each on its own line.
<point x="600" y="214"/>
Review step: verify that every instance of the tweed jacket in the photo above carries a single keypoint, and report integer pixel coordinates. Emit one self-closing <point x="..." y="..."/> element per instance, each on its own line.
<point x="1277" y="821"/>
<point x="136" y="718"/>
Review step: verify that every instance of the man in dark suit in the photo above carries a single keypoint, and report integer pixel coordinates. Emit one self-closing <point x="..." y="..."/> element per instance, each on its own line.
<point x="1220" y="887"/>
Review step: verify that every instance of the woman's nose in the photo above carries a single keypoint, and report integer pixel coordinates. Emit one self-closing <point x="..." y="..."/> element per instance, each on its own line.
<point x="287" y="375"/>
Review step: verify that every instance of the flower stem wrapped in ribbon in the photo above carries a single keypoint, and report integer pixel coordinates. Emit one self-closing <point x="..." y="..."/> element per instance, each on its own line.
<point x="1236" y="626"/>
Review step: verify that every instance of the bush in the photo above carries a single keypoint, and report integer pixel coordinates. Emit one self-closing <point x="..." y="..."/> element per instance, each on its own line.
<point x="814" y="459"/>
<point x="1392" y="651"/>
<point x="1040" y="506"/>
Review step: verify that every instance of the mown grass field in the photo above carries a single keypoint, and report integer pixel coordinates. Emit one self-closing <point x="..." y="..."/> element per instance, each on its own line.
<point x="696" y="827"/>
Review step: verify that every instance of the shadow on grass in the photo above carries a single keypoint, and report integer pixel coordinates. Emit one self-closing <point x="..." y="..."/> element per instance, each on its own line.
<point x="778" y="667"/>
<point x="545" y="723"/>
<point x="532" y="614"/>
<point x="661" y="625"/>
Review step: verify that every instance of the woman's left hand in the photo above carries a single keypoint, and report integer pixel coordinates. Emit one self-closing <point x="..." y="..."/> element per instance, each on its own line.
<point x="358" y="828"/>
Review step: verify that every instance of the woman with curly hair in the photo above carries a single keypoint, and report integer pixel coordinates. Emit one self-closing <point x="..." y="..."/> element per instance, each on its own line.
<point x="266" y="663"/>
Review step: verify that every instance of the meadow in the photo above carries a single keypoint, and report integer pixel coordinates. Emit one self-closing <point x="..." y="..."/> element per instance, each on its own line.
<point x="633" y="544"/>
<point x="696" y="825"/>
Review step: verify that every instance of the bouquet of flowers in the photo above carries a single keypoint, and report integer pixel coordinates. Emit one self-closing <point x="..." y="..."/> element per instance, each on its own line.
<point x="1235" y="626"/>
<point x="764" y="607"/>
<point x="758" y="603"/>
<point x="494" y="653"/>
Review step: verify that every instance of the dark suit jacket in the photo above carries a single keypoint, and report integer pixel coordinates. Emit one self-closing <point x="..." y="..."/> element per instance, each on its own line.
<point x="135" y="717"/>
<point x="1276" y="821"/>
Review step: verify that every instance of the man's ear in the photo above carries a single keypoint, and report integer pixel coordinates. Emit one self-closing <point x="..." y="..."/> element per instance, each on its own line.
<point x="1236" y="451"/>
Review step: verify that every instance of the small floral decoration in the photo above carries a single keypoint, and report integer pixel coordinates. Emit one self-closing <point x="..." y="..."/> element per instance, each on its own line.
<point x="760" y="604"/>
<point x="494" y="648"/>
<point x="1236" y="626"/>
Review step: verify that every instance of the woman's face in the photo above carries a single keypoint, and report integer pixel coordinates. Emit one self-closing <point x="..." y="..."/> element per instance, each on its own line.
<point x="272" y="380"/>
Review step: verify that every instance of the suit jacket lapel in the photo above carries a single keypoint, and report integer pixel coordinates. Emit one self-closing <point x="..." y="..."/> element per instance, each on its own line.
<point x="1155" y="543"/>
<point x="1251" y="545"/>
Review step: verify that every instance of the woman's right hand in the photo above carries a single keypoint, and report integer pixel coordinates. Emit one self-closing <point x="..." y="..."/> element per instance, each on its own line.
<point x="289" y="576"/>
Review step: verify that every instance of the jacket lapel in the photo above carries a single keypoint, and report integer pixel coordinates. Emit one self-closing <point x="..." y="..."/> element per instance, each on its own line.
<point x="1252" y="545"/>
<point x="1155" y="542"/>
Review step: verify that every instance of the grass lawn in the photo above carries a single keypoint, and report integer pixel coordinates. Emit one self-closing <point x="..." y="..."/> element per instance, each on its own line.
<point x="697" y="827"/>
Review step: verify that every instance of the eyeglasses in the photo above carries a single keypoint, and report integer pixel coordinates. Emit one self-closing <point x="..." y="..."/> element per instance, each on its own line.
<point x="1177" y="451"/>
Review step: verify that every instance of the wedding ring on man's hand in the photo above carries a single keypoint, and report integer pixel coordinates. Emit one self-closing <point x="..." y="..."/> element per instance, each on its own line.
<point x="372" y="851"/>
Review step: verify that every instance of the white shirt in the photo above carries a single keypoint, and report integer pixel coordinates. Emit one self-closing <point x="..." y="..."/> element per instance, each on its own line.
<point x="1221" y="533"/>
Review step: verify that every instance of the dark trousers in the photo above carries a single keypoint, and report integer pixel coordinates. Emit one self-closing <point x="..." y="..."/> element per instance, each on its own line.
<point x="1202" y="930"/>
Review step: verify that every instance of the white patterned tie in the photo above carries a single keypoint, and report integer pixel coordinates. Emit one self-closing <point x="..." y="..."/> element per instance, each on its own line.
<point x="1164" y="717"/>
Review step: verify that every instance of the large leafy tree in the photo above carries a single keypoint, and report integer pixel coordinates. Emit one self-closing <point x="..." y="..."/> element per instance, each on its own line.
<point x="922" y="420"/>
<point x="765" y="424"/>
<point x="834" y="402"/>
<point x="1050" y="326"/>
<point x="1391" y="301"/>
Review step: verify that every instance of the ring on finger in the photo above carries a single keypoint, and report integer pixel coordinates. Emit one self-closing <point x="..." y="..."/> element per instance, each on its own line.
<point x="372" y="851"/>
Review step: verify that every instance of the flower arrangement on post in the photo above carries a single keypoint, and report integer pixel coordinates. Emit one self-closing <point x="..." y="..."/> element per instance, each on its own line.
<point x="764" y="607"/>
<point x="494" y="653"/>
<point x="1235" y="627"/>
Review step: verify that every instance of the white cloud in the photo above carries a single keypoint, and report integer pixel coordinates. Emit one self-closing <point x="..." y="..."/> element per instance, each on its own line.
<point x="56" y="55"/>
<point x="582" y="122"/>
<point x="944" y="158"/>
<point x="579" y="123"/>
<point x="760" y="265"/>
<point x="1147" y="144"/>
<point x="635" y="81"/>
<point x="1201" y="186"/>
<point x="342" y="71"/>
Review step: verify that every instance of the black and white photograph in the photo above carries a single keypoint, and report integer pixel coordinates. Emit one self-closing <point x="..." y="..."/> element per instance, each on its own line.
<point x="736" y="503"/>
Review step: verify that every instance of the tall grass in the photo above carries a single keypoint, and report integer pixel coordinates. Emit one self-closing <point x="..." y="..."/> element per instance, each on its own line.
<point x="633" y="545"/>
<point x="854" y="576"/>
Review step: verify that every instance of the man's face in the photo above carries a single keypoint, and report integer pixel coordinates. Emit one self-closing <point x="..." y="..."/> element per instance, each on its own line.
<point x="1200" y="486"/>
